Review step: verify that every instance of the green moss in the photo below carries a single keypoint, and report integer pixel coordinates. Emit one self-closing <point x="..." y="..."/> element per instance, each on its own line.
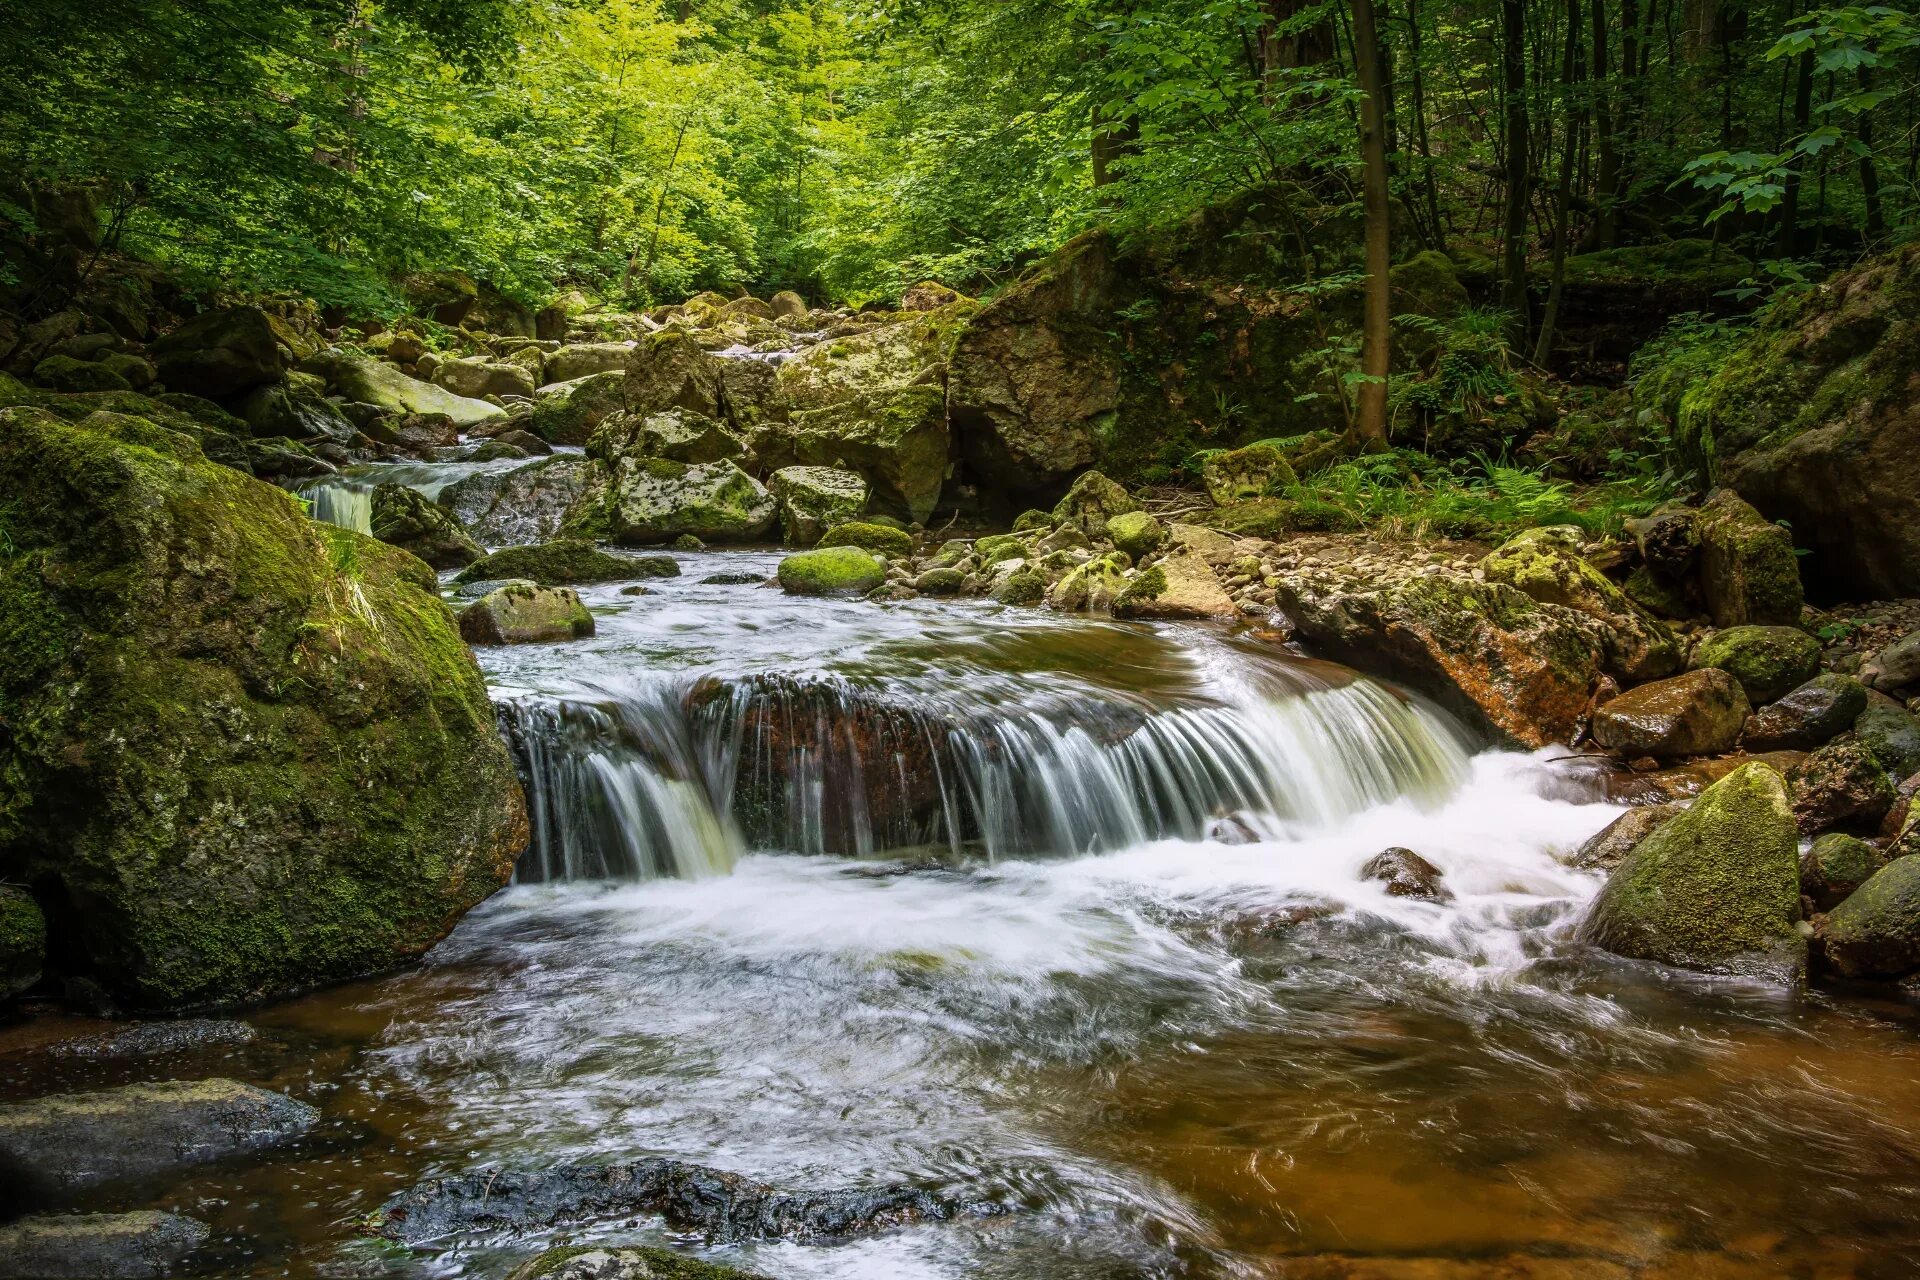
<point x="1767" y="661"/>
<point x="1239" y="475"/>
<point x="1876" y="931"/>
<point x="891" y="543"/>
<point x="996" y="547"/>
<point x="831" y="571"/>
<point x="566" y="561"/>
<point x="1022" y="586"/>
<point x="1030" y="521"/>
<point x="1136" y="532"/>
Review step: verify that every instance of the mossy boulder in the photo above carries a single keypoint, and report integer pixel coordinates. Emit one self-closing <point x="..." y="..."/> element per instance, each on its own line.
<point x="569" y="412"/>
<point x="1091" y="587"/>
<point x="1136" y="532"/>
<point x="517" y="507"/>
<point x="1834" y="867"/>
<point x="877" y="538"/>
<point x="1716" y="889"/>
<point x="1697" y="714"/>
<point x="1236" y="475"/>
<point x="523" y="612"/>
<point x="65" y="373"/>
<point x="940" y="581"/>
<point x="1181" y="585"/>
<point x="1033" y="520"/>
<point x="1748" y="571"/>
<point x="247" y="752"/>
<point x="477" y="378"/>
<point x="1091" y="501"/>
<point x="23" y="940"/>
<point x="363" y="381"/>
<point x="1875" y="932"/>
<point x="1804" y="718"/>
<point x="1893" y="736"/>
<point x="909" y="350"/>
<point x="814" y="499"/>
<point x="669" y="370"/>
<point x="565" y="562"/>
<point x="219" y="353"/>
<point x="142" y="1243"/>
<point x="1840" y="785"/>
<point x="581" y="360"/>
<point x="895" y="438"/>
<point x="636" y="501"/>
<point x="1767" y="661"/>
<point x="1546" y="564"/>
<point x="831" y="571"/>
<point x="296" y="408"/>
<point x="407" y="519"/>
<point x="678" y="435"/>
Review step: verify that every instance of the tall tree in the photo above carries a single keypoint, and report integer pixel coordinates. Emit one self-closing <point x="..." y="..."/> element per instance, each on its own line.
<point x="1513" y="88"/>
<point x="1376" y="359"/>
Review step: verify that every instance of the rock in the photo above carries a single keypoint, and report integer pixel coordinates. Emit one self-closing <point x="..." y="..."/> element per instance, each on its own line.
<point x="376" y="382"/>
<point x="446" y="296"/>
<point x="1406" y="875"/>
<point x="23" y="941"/>
<point x="570" y="412"/>
<point x="1893" y="736"/>
<point x="908" y="351"/>
<point x="896" y="438"/>
<point x="669" y="370"/>
<point x="419" y="434"/>
<point x="723" y="1207"/>
<point x="64" y="373"/>
<point x="1235" y="475"/>
<point x="1767" y="661"/>
<point x="137" y="371"/>
<point x="403" y="518"/>
<point x="1180" y="585"/>
<point x="814" y="499"/>
<point x="1136" y="533"/>
<point x="1546" y="564"/>
<point x="1875" y="931"/>
<point x="1841" y="784"/>
<point x="1835" y="866"/>
<point x="219" y="353"/>
<point x="1895" y="669"/>
<point x="150" y="760"/>
<point x="1091" y="587"/>
<point x="587" y="1262"/>
<point x="1610" y="847"/>
<point x="150" y="1039"/>
<point x="565" y="562"/>
<point x="929" y="295"/>
<point x="296" y="408"/>
<point x="526" y="443"/>
<point x="940" y="582"/>
<point x="676" y="435"/>
<point x="518" y="507"/>
<point x="1816" y="712"/>
<point x="1748" y="572"/>
<point x="831" y="571"/>
<point x="890" y="543"/>
<point x="581" y="360"/>
<point x="788" y="305"/>
<point x="1093" y="500"/>
<point x="522" y="612"/>
<point x="1715" y="889"/>
<point x="1700" y="713"/>
<point x="79" y="1139"/>
<point x="1687" y="780"/>
<point x="1020" y="586"/>
<point x="636" y="500"/>
<point x="476" y="378"/>
<point x="687" y="542"/>
<point x="98" y="1246"/>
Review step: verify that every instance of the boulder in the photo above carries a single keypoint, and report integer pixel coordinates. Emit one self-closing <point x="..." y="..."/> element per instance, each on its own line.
<point x="181" y="651"/>
<point x="589" y="1262"/>
<point x="1748" y="572"/>
<point x="669" y="370"/>
<point x="23" y="941"/>
<point x="929" y="295"/>
<point x="404" y="518"/>
<point x="1767" y="661"/>
<point x="476" y="378"/>
<point x="940" y="582"/>
<point x="1092" y="587"/>
<point x="581" y="360"/>
<point x="566" y="562"/>
<point x="877" y="538"/>
<point x="638" y="500"/>
<point x="570" y="412"/>
<point x="446" y="296"/>
<point x="1235" y="475"/>
<point x="513" y="508"/>
<point x="674" y="434"/>
<point x="80" y="1139"/>
<point x="98" y="1246"/>
<point x="1546" y="564"/>
<point x="1697" y="714"/>
<point x="1020" y="584"/>
<point x="1136" y="532"/>
<point x="1893" y="736"/>
<point x="1715" y="889"/>
<point x="1610" y="847"/>
<point x="65" y="373"/>
<point x="1091" y="501"/>
<point x="813" y="500"/>
<point x="788" y="305"/>
<point x="551" y="321"/>
<point x="1840" y="785"/>
<point x="1875" y="931"/>
<point x="895" y="438"/>
<point x="1181" y="585"/>
<point x="296" y="408"/>
<point x="219" y="353"/>
<point x="1834" y="867"/>
<point x="1406" y="875"/>
<point x="522" y="612"/>
<point x="1816" y="712"/>
<point x="375" y="382"/>
<point x="904" y="352"/>
<point x="1895" y="669"/>
<point x="831" y="571"/>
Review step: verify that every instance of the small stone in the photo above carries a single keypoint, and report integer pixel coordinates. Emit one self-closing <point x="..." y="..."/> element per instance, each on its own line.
<point x="1836" y="866"/>
<point x="1406" y="875"/>
<point x="522" y="612"/>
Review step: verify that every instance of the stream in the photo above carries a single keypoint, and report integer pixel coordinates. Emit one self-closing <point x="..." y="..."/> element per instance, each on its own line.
<point x="1065" y="915"/>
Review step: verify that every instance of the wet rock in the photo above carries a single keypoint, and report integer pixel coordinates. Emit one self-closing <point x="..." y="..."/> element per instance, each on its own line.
<point x="831" y="571"/>
<point x="814" y="499"/>
<point x="297" y="409"/>
<point x="896" y="439"/>
<point x="1136" y="532"/>
<point x="636" y="501"/>
<point x="78" y="1139"/>
<point x="678" y="435"/>
<point x="98" y="1246"/>
<point x="1406" y="875"/>
<point x="66" y="374"/>
<point x="570" y="412"/>
<point x="1875" y="932"/>
<point x="1685" y="781"/>
<point x="1715" y="889"/>
<point x="1748" y="572"/>
<point x="518" y="507"/>
<point x="732" y="580"/>
<point x="565" y="562"/>
<point x="1895" y="669"/>
<point x="1235" y="475"/>
<point x="1546" y="564"/>
<point x="1840" y="785"/>
<point x="23" y="941"/>
<point x="1610" y="847"/>
<point x="1893" y="736"/>
<point x="1022" y="586"/>
<point x="1175" y="586"/>
<point x="1668" y="543"/>
<point x="364" y="381"/>
<point x="1815" y="713"/>
<point x="404" y="518"/>
<point x="1092" y="587"/>
<point x="1767" y="661"/>
<point x="939" y="582"/>
<point x="1699" y="713"/>
<point x="877" y="538"/>
<point x="149" y="1039"/>
<point x="669" y="370"/>
<point x="1834" y="867"/>
<point x="588" y="1262"/>
<point x="908" y="351"/>
<point x="522" y="612"/>
<point x="219" y="353"/>
<point x="1093" y="500"/>
<point x="476" y="378"/>
<point x="584" y="359"/>
<point x="723" y="1207"/>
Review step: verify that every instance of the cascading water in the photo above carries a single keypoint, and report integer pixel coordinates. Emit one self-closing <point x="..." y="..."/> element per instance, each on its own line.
<point x="348" y="505"/>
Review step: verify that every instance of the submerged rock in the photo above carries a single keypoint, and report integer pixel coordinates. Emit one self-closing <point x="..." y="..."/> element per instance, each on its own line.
<point x="404" y="518"/>
<point x="147" y="1039"/>
<point x="565" y="562"/>
<point x="522" y="612"/>
<point x="831" y="571"/>
<point x="721" y="1206"/>
<point x="1715" y="889"/>
<point x="77" y="1139"/>
<point x="588" y="1262"/>
<point x="1406" y="875"/>
<point x="98" y="1246"/>
<point x="1697" y="714"/>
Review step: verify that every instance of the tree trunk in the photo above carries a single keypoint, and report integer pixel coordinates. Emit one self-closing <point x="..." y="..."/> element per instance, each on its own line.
<point x="1513" y="77"/>
<point x="1607" y="163"/>
<point x="1790" y="199"/>
<point x="1430" y="187"/>
<point x="1869" y="174"/>
<point x="1571" y="76"/>
<point x="1370" y="422"/>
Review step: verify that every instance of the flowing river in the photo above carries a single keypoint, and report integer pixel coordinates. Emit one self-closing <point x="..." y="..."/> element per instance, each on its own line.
<point x="1068" y="916"/>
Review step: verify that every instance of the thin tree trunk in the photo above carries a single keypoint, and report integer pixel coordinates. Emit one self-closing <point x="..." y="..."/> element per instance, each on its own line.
<point x="1790" y="200"/>
<point x="1370" y="423"/>
<point x="1513" y="76"/>
<point x="1607" y="162"/>
<point x="1571" y="76"/>
<point x="1430" y="188"/>
<point x="659" y="211"/>
<point x="1869" y="174"/>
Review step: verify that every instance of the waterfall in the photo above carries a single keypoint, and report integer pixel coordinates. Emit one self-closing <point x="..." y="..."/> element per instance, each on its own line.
<point x="680" y="777"/>
<point x="348" y="505"/>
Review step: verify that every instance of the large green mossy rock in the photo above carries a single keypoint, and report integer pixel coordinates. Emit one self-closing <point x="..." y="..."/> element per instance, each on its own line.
<point x="1546" y="564"/>
<point x="1237" y="475"/>
<point x="815" y="499"/>
<point x="831" y="571"/>
<point x="1716" y="889"/>
<point x="1769" y="662"/>
<point x="364" y="381"/>
<point x="245" y="751"/>
<point x="407" y="519"/>
<point x="569" y="412"/>
<point x="567" y="561"/>
<point x="896" y="439"/>
<point x="523" y="612"/>
<point x="637" y="501"/>
<point x="1749" y="573"/>
<point x="876" y="538"/>
<point x="1875" y="932"/>
<point x="910" y="350"/>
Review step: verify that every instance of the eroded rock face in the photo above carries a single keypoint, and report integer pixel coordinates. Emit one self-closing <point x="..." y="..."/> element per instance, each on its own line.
<point x="815" y="499"/>
<point x="637" y="501"/>
<point x="525" y="505"/>
<point x="1547" y="565"/>
<point x="671" y="371"/>
<point x="149" y="762"/>
<point x="404" y="518"/>
<point x="678" y="435"/>
<point x="1698" y="714"/>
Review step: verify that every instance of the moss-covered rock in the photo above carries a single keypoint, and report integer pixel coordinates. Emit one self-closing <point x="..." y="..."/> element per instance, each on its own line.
<point x="1748" y="571"/>
<point x="248" y="749"/>
<point x="64" y="373"/>
<point x="514" y="508"/>
<point x="815" y="499"/>
<point x="1697" y="714"/>
<point x="678" y="435"/>
<point x="523" y="612"/>
<point x="363" y="381"/>
<point x="1136" y="532"/>
<point x="1716" y="889"/>
<point x="1875" y="932"/>
<point x="1091" y="587"/>
<point x="23" y="940"/>
<point x="296" y="408"/>
<point x="1181" y="585"/>
<point x="477" y="378"/>
<point x="569" y="412"/>
<point x="1610" y="847"/>
<point x="877" y="538"/>
<point x="1091" y="501"/>
<point x="940" y="581"/>
<point x="1840" y="785"/>
<point x="1236" y="475"/>
<point x="1546" y="564"/>
<point x="896" y="438"/>
<point x="1804" y="718"/>
<point x="1893" y="736"/>
<point x="565" y="562"/>
<point x="219" y="353"/>
<point x="405" y="518"/>
<point x="574" y="361"/>
<point x="1834" y="867"/>
<point x="1767" y="661"/>
<point x="142" y="1243"/>
<point x="831" y="571"/>
<point x="636" y="501"/>
<point x="909" y="350"/>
